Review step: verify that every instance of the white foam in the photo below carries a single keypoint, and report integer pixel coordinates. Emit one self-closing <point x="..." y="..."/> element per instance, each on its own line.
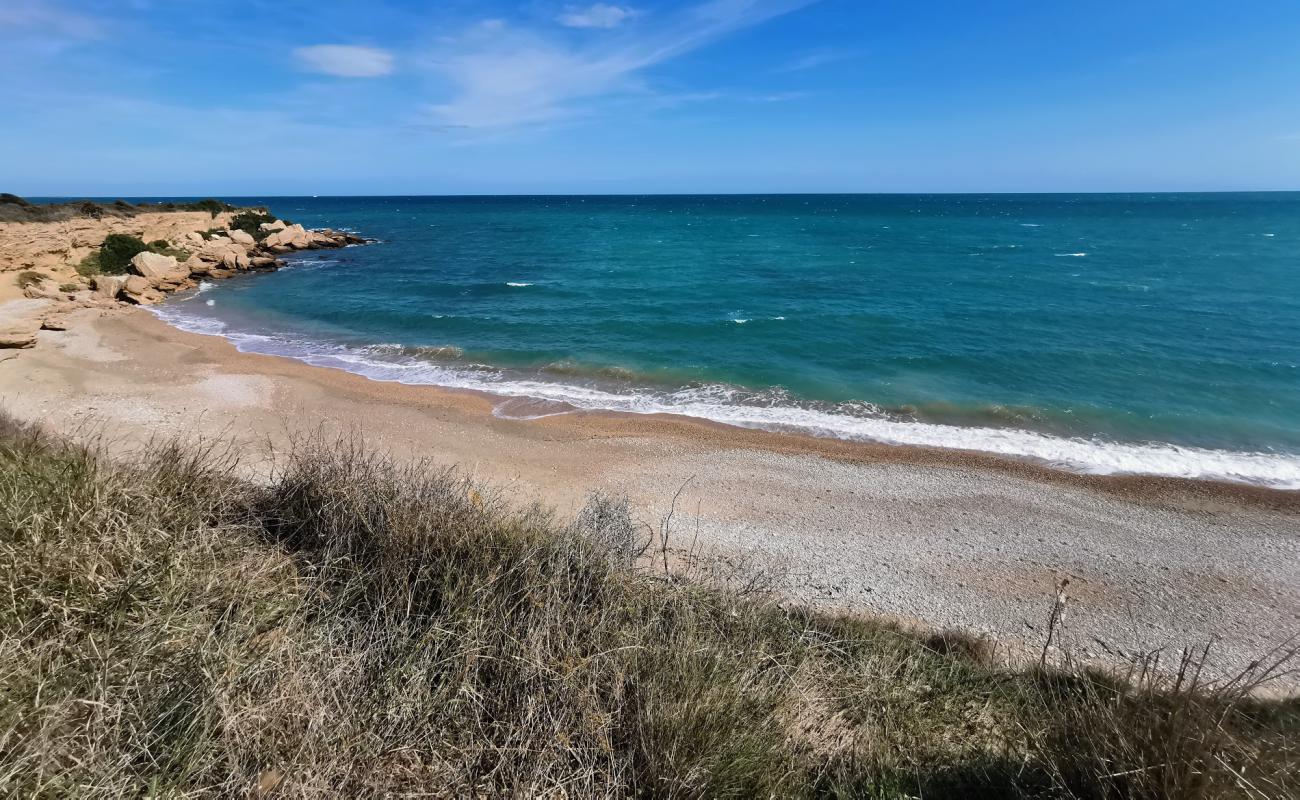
<point x="724" y="404"/>
<point x="1071" y="255"/>
<point x="509" y="283"/>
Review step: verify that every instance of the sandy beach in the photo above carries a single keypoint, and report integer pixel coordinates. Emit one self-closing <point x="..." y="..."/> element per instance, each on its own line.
<point x="940" y="538"/>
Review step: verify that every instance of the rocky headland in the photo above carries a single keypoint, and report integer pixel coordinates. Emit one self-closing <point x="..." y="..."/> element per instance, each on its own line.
<point x="58" y="258"/>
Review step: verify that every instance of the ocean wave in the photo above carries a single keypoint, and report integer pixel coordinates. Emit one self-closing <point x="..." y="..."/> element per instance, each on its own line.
<point x="1070" y="255"/>
<point x="772" y="411"/>
<point x="517" y="285"/>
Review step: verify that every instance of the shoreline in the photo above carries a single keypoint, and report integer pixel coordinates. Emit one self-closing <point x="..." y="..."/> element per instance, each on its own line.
<point x="1132" y="485"/>
<point x="938" y="537"/>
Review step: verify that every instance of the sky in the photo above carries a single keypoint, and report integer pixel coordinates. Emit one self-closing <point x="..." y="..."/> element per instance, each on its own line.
<point x="283" y="97"/>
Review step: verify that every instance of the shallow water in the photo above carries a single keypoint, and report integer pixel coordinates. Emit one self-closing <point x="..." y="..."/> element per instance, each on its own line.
<point x="1103" y="333"/>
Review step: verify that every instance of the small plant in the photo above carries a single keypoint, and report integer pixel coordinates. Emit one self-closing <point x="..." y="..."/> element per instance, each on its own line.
<point x="213" y="207"/>
<point x="69" y="287"/>
<point x="30" y="278"/>
<point x="159" y="243"/>
<point x="250" y="222"/>
<point x="116" y="252"/>
<point x="12" y="199"/>
<point x="165" y="249"/>
<point x="92" y="210"/>
<point x="89" y="265"/>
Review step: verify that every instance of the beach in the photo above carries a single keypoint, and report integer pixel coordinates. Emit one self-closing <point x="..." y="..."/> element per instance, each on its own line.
<point x="941" y="538"/>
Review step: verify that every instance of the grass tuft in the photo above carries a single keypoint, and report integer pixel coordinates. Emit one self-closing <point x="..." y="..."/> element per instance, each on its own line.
<point x="360" y="627"/>
<point x="30" y="278"/>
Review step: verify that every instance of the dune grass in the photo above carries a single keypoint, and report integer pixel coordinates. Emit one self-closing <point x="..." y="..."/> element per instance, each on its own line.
<point x="357" y="627"/>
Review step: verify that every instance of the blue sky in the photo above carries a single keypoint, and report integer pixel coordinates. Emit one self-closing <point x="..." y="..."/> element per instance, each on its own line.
<point x="183" y="97"/>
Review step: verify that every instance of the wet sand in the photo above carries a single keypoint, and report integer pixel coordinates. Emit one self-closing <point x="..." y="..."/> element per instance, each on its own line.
<point x="940" y="537"/>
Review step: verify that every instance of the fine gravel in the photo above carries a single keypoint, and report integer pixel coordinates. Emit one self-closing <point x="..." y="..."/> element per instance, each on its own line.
<point x="984" y="551"/>
<point x="937" y="538"/>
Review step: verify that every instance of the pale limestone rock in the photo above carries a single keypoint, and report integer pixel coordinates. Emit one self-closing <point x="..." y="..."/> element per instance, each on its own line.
<point x="140" y="290"/>
<point x="235" y="258"/>
<point x="274" y="225"/>
<point x="20" y="320"/>
<point x="109" y="286"/>
<point x="242" y="238"/>
<point x="153" y="265"/>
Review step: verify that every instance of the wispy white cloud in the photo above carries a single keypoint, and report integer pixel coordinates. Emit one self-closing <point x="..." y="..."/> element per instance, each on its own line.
<point x="43" y="16"/>
<point x="345" y="61"/>
<point x="819" y="58"/>
<point x="43" y="29"/>
<point x="597" y="15"/>
<point x="502" y="76"/>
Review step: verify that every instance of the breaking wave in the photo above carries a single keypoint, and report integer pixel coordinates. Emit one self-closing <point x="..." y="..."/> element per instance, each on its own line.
<point x="772" y="410"/>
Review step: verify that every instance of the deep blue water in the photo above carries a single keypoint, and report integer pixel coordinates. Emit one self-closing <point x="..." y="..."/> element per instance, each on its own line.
<point x="1141" y="333"/>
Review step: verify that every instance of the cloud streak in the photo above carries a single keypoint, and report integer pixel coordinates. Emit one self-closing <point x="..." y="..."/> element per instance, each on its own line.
<point x="598" y="15"/>
<point x="499" y="76"/>
<point x="345" y="61"/>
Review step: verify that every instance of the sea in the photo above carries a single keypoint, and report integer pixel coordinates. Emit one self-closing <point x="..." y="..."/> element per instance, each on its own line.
<point x="1152" y="334"/>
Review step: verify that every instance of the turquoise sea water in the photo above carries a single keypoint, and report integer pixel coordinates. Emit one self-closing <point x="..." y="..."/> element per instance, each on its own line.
<point x="1103" y="333"/>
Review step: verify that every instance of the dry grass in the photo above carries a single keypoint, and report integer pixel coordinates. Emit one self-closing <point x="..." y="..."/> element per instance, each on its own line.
<point x="362" y="628"/>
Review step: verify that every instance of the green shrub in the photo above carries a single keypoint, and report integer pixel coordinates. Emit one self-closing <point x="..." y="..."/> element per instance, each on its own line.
<point x="250" y="222"/>
<point x="166" y="250"/>
<point x="30" y="278"/>
<point x="69" y="287"/>
<point x="116" y="252"/>
<point x="92" y="210"/>
<point x="213" y="207"/>
<point x="89" y="265"/>
<point x="12" y="199"/>
<point x="159" y="243"/>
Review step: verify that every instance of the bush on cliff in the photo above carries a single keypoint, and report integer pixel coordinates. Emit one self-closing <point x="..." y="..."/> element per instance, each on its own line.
<point x="250" y="222"/>
<point x="116" y="252"/>
<point x="89" y="265"/>
<point x="213" y="207"/>
<point x="29" y="278"/>
<point x="353" y="627"/>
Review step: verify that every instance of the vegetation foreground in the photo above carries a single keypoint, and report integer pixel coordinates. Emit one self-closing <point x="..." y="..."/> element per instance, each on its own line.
<point x="363" y="628"/>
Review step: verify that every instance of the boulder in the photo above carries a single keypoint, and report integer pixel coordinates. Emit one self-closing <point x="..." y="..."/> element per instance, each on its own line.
<point x="235" y="258"/>
<point x="262" y="262"/>
<point x="20" y="320"/>
<point x="241" y="238"/>
<point x="194" y="238"/>
<point x="155" y="266"/>
<point x="197" y="266"/>
<point x="109" y="286"/>
<point x="271" y="227"/>
<point x="44" y="290"/>
<point x="319" y="239"/>
<point x="295" y="236"/>
<point x="140" y="290"/>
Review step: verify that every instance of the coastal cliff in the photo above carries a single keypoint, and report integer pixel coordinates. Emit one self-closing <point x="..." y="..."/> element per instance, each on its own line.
<point x="57" y="258"/>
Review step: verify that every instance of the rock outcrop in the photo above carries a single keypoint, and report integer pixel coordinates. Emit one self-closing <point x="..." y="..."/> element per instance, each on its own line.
<point x="20" y="320"/>
<point x="109" y="286"/>
<point x="208" y="248"/>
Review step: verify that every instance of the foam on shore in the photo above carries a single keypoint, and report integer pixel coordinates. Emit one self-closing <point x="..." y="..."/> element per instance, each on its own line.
<point x="732" y="406"/>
